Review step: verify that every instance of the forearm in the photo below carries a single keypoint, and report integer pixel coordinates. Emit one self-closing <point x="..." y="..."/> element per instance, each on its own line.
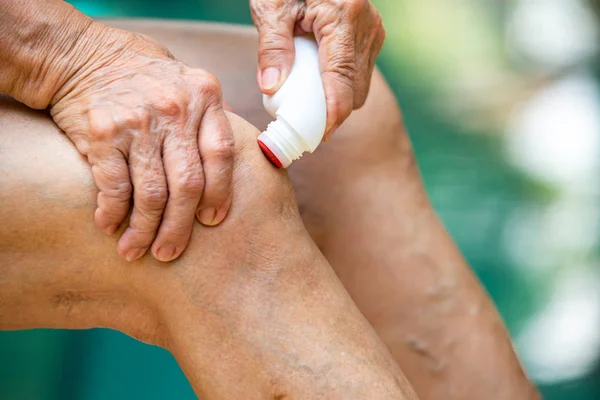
<point x="42" y="44"/>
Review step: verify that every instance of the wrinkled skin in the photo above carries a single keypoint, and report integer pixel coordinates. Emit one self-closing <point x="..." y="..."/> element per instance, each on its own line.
<point x="350" y="35"/>
<point x="155" y="132"/>
<point x="136" y="105"/>
<point x="251" y="310"/>
<point x="153" y="129"/>
<point x="371" y="219"/>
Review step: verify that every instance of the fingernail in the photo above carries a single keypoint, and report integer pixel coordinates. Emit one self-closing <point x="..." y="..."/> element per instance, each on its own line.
<point x="207" y="216"/>
<point x="134" y="254"/>
<point x="166" y="253"/>
<point x="270" y="78"/>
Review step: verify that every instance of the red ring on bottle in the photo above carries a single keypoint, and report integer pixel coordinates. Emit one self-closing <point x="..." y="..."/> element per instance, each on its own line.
<point x="269" y="154"/>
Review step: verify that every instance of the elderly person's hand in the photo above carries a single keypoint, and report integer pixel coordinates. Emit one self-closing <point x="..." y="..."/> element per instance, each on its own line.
<point x="350" y="34"/>
<point x="153" y="129"/>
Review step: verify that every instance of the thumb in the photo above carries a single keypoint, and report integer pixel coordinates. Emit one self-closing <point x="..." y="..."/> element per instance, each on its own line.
<point x="275" y="47"/>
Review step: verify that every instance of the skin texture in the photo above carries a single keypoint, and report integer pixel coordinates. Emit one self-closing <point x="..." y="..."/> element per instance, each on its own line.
<point x="252" y="301"/>
<point x="362" y="200"/>
<point x="350" y="35"/>
<point x="153" y="129"/>
<point x="371" y="219"/>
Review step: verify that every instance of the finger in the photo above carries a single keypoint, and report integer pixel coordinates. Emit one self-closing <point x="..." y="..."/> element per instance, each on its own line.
<point x="217" y="154"/>
<point x="111" y="174"/>
<point x="149" y="200"/>
<point x="338" y="63"/>
<point x="275" y="21"/>
<point x="185" y="181"/>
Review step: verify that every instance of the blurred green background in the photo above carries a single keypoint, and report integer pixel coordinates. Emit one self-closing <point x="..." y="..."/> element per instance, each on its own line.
<point x="502" y="101"/>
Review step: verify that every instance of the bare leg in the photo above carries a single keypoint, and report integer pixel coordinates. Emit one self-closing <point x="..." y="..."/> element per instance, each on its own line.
<point x="374" y="223"/>
<point x="403" y="271"/>
<point x="363" y="202"/>
<point x="252" y="310"/>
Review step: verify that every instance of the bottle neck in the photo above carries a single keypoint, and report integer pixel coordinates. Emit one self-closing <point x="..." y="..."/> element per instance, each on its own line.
<point x="283" y="141"/>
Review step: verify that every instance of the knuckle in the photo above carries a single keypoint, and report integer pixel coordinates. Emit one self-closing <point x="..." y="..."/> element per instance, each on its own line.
<point x="153" y="198"/>
<point x="265" y="11"/>
<point x="142" y="115"/>
<point x="101" y="129"/>
<point x="170" y="107"/>
<point x="120" y="191"/>
<point x="274" y="41"/>
<point x="223" y="148"/>
<point x="109" y="172"/>
<point x="211" y="85"/>
<point x="190" y="186"/>
<point x="136" y="118"/>
<point x="173" y="103"/>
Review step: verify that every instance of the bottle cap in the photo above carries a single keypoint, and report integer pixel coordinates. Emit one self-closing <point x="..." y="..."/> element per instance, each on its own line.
<point x="269" y="154"/>
<point x="277" y="143"/>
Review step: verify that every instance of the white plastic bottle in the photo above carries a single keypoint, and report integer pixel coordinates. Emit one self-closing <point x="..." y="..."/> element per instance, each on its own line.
<point x="299" y="109"/>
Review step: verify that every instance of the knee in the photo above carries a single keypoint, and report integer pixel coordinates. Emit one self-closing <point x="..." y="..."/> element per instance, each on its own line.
<point x="262" y="229"/>
<point x="263" y="208"/>
<point x="259" y="188"/>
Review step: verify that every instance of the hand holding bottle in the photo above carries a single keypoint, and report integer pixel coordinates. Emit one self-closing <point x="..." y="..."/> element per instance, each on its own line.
<point x="350" y="35"/>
